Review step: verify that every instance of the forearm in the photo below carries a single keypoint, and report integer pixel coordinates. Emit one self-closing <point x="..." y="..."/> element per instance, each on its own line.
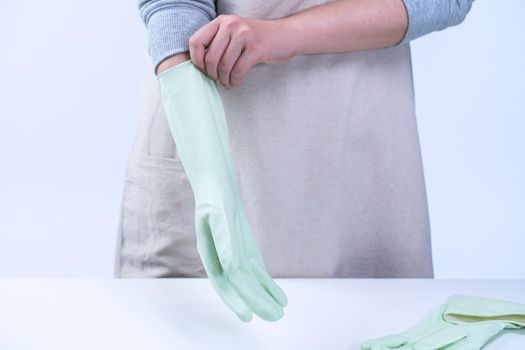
<point x="347" y="25"/>
<point x="353" y="25"/>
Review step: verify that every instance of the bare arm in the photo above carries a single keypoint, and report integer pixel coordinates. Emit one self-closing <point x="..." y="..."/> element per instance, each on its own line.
<point x="348" y="25"/>
<point x="340" y="26"/>
<point x="228" y="46"/>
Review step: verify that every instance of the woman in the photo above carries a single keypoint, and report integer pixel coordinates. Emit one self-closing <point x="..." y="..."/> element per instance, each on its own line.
<point x="320" y="106"/>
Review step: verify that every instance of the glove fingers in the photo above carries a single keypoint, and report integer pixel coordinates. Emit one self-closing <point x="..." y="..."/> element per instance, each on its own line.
<point x="224" y="288"/>
<point x="231" y="298"/>
<point x="257" y="264"/>
<point x="215" y="272"/>
<point x="251" y="291"/>
<point x="269" y="284"/>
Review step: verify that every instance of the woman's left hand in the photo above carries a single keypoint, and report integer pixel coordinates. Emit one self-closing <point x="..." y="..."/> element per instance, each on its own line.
<point x="229" y="46"/>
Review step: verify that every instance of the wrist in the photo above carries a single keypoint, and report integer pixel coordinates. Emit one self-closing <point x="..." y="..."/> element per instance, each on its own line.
<point x="285" y="40"/>
<point x="172" y="61"/>
<point x="293" y="38"/>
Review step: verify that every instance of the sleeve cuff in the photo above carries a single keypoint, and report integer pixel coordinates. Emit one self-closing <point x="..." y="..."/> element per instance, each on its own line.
<point x="170" y="29"/>
<point x="428" y="16"/>
<point x="421" y="14"/>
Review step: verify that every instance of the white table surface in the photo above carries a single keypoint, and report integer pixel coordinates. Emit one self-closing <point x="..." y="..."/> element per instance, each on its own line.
<point x="78" y="314"/>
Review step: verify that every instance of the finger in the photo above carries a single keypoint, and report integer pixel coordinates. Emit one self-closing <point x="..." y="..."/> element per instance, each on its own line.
<point x="257" y="264"/>
<point x="215" y="51"/>
<point x="230" y="56"/>
<point x="231" y="298"/>
<point x="200" y="40"/>
<point x="251" y="291"/>
<point x="211" y="263"/>
<point x="269" y="284"/>
<point x="245" y="62"/>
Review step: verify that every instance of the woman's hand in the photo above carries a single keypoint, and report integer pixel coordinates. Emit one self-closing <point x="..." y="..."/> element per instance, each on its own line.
<point x="229" y="46"/>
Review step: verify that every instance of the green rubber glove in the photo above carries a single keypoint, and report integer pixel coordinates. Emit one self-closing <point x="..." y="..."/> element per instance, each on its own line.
<point x="224" y="239"/>
<point x="464" y="323"/>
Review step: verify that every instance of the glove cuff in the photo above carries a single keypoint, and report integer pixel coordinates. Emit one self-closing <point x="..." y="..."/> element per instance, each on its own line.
<point x="465" y="309"/>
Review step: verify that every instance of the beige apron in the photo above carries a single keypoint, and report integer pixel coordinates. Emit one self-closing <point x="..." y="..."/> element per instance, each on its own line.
<point x="327" y="156"/>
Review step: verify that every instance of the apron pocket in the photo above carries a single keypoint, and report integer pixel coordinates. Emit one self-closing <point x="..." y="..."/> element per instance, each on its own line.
<point x="157" y="230"/>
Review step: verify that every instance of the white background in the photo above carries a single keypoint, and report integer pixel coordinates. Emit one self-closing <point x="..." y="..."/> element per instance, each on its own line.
<point x="70" y="78"/>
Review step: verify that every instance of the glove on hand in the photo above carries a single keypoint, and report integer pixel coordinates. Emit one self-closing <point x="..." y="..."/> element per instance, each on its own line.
<point x="224" y="239"/>
<point x="465" y="323"/>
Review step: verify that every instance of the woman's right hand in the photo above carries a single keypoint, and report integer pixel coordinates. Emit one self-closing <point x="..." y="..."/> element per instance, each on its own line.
<point x="227" y="47"/>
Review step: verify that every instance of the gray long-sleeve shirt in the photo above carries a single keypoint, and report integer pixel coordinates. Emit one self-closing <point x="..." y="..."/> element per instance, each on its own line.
<point x="170" y="23"/>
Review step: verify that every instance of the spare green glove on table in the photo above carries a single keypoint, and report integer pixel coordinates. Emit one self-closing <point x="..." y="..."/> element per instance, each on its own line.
<point x="224" y="239"/>
<point x="464" y="323"/>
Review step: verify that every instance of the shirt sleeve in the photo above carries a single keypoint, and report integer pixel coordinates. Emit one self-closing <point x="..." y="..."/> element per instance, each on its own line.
<point x="171" y="23"/>
<point x="426" y="16"/>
